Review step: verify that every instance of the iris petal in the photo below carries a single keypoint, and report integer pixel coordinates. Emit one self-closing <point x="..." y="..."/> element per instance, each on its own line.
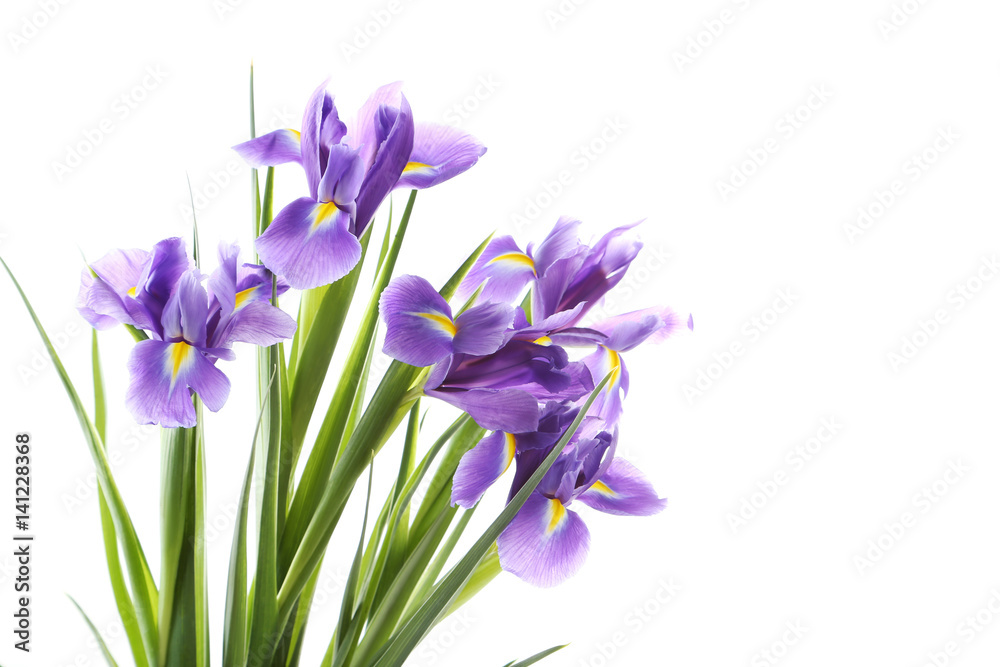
<point x="545" y="544"/>
<point x="623" y="490"/>
<point x="439" y="153"/>
<point x="480" y="467"/>
<point x="419" y="328"/>
<point x="272" y="149"/>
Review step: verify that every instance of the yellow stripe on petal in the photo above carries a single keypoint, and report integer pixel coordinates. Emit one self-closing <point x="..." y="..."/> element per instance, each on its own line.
<point x="180" y="355"/>
<point x="324" y="213"/>
<point x="414" y="166"/>
<point x="515" y="258"/>
<point x="511" y="449"/>
<point x="544" y="340"/>
<point x="615" y="368"/>
<point x="131" y="291"/>
<point x="602" y="488"/>
<point x="443" y="322"/>
<point x="244" y="296"/>
<point x="298" y="135"/>
<point x="557" y="513"/>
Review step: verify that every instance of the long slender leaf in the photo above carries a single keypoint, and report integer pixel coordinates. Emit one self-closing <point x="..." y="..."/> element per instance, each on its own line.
<point x="538" y="656"/>
<point x="97" y="635"/>
<point x="138" y="569"/>
<point x="441" y="599"/>
<point x="202" y="643"/>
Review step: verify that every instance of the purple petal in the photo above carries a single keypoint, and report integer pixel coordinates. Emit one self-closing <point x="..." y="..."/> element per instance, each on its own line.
<point x="389" y="161"/>
<point x="439" y="152"/>
<point x="623" y="490"/>
<point x="161" y="375"/>
<point x="561" y="242"/>
<point x="419" y="328"/>
<point x="95" y="319"/>
<point x="508" y="410"/>
<point x="222" y="282"/>
<point x="309" y="244"/>
<point x="259" y="323"/>
<point x="272" y="149"/>
<point x="480" y="467"/>
<point x="342" y="178"/>
<point x="608" y="404"/>
<point x="167" y="263"/>
<point x="114" y="292"/>
<point x="314" y="151"/>
<point x="481" y="329"/>
<point x="628" y="330"/>
<point x="505" y="269"/>
<point x="362" y="131"/>
<point x="186" y="313"/>
<point x="545" y="544"/>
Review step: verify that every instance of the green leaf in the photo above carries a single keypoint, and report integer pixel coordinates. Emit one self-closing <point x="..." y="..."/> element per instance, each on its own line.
<point x="202" y="643"/>
<point x="196" y="246"/>
<point x="139" y="576"/>
<point x="450" y="287"/>
<point x="406" y="639"/>
<point x="97" y="635"/>
<point x="538" y="656"/>
<point x="123" y="600"/>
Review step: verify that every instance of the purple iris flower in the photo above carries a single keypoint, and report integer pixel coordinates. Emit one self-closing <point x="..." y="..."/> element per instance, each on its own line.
<point x="189" y="330"/>
<point x="350" y="170"/>
<point x="547" y="542"/>
<point x="624" y="333"/>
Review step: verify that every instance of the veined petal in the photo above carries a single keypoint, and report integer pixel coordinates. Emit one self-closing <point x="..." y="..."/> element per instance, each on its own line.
<point x="623" y="490"/>
<point x="508" y="410"/>
<point x="259" y="323"/>
<point x="362" y="131"/>
<point x="608" y="404"/>
<point x="561" y="242"/>
<point x="343" y="176"/>
<point x="439" y="152"/>
<point x="161" y="375"/>
<point x="314" y="152"/>
<point x="545" y="544"/>
<point x="309" y="243"/>
<point x="389" y="161"/>
<point x="481" y="328"/>
<point x="186" y="313"/>
<point x="504" y="267"/>
<point x="272" y="149"/>
<point x="419" y="328"/>
<point x="628" y="330"/>
<point x="88" y="285"/>
<point x="480" y="467"/>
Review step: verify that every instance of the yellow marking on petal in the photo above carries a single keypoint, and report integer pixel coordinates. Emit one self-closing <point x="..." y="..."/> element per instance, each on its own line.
<point x="511" y="449"/>
<point x="556" y="514"/>
<point x="544" y="340"/>
<point x="413" y="166"/>
<point x="602" y="488"/>
<point x="324" y="213"/>
<point x="180" y="353"/>
<point x="244" y="296"/>
<point x="615" y="368"/>
<point x="442" y="321"/>
<point x="131" y="291"/>
<point x="298" y="135"/>
<point x="516" y="258"/>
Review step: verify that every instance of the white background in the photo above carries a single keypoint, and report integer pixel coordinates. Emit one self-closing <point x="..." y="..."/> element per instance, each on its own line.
<point x="696" y="585"/>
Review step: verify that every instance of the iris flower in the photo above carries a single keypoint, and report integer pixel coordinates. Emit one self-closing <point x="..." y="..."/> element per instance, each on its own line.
<point x="350" y="170"/>
<point x="188" y="329"/>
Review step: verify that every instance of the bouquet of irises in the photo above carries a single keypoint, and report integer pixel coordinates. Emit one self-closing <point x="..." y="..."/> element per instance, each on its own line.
<point x="510" y="340"/>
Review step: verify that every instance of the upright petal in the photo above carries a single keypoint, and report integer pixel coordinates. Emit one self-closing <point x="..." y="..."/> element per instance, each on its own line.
<point x="343" y="176"/>
<point x="186" y="313"/>
<point x="562" y="241"/>
<point x="361" y="133"/>
<point x="314" y="151"/>
<point x="623" y="490"/>
<point x="545" y="544"/>
<point x="310" y="244"/>
<point x="419" y="328"/>
<point x="439" y="152"/>
<point x="481" y="329"/>
<point x="390" y="159"/>
<point x="272" y="149"/>
<point x="480" y="467"/>
<point x="161" y="376"/>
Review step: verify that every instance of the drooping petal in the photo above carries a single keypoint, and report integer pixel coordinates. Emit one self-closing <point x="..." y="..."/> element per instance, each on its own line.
<point x="419" y="328"/>
<point x="272" y="149"/>
<point x="545" y="544"/>
<point x="623" y="490"/>
<point x="628" y="330"/>
<point x="480" y="329"/>
<point x="161" y="375"/>
<point x="389" y="161"/>
<point x="439" y="152"/>
<point x="480" y="467"/>
<point x="508" y="410"/>
<point x="259" y="323"/>
<point x="309" y="244"/>
<point x="504" y="267"/>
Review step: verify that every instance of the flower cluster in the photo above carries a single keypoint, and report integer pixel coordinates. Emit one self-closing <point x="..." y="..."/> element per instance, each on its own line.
<point x="187" y="326"/>
<point x="512" y="373"/>
<point x="350" y="169"/>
